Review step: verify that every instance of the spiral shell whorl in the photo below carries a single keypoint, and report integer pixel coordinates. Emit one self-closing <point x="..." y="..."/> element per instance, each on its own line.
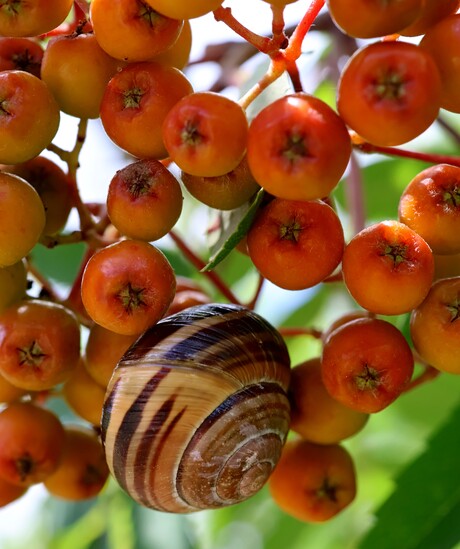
<point x="196" y="413"/>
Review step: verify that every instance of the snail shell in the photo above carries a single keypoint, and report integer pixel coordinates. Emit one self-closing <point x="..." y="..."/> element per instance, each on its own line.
<point x="196" y="413"/>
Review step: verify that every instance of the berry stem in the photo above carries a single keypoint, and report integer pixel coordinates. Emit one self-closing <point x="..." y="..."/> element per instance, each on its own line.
<point x="71" y="158"/>
<point x="251" y="305"/>
<point x="292" y="332"/>
<point x="294" y="75"/>
<point x="294" y="49"/>
<point x="262" y="43"/>
<point x="355" y="195"/>
<point x="429" y="373"/>
<point x="448" y="128"/>
<point x="199" y="264"/>
<point x="51" y="241"/>
<point x="414" y="155"/>
<point x="47" y="286"/>
<point x="86" y="220"/>
<point x="81" y="10"/>
<point x="275" y="70"/>
<point x="278" y="25"/>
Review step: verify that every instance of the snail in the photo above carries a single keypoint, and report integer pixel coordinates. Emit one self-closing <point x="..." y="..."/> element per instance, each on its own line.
<point x="196" y="413"/>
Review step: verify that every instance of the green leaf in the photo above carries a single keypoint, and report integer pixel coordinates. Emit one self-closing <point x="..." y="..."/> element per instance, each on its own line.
<point x="61" y="263"/>
<point x="383" y="183"/>
<point x="423" y="511"/>
<point x="234" y="224"/>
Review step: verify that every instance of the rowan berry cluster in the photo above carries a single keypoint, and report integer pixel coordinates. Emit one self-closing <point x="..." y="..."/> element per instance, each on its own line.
<point x="125" y="62"/>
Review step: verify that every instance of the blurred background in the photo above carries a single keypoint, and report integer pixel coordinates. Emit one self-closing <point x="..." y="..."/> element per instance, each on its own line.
<point x="390" y="440"/>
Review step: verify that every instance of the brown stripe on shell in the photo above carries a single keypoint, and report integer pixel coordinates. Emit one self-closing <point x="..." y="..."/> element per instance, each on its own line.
<point x="151" y="499"/>
<point x="230" y="339"/>
<point x="130" y="423"/>
<point x="147" y="444"/>
<point x="107" y="410"/>
<point x="171" y="324"/>
<point x="149" y="339"/>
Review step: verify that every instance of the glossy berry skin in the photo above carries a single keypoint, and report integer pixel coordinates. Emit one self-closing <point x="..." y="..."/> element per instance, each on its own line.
<point x="83" y="471"/>
<point x="29" y="116"/>
<point x="430" y="205"/>
<point x="13" y="284"/>
<point x="280" y="3"/>
<point x="366" y="364"/>
<point x="135" y="104"/>
<point x="179" y="53"/>
<point x="9" y="392"/>
<point x="39" y="344"/>
<point x="83" y="395"/>
<point x="388" y="268"/>
<point x="18" y="233"/>
<point x="144" y="200"/>
<point x="373" y="18"/>
<point x="205" y="134"/>
<point x="431" y="13"/>
<point x="446" y="266"/>
<point x="343" y="319"/>
<point x="32" y="443"/>
<point x="130" y="30"/>
<point x="435" y="326"/>
<point x="443" y="44"/>
<point x="10" y="492"/>
<point x="32" y="17"/>
<point x="76" y="70"/>
<point x="313" y="482"/>
<point x="290" y="146"/>
<point x="22" y="54"/>
<point x="128" y="286"/>
<point x="103" y="351"/>
<point x="315" y="415"/>
<point x="296" y="244"/>
<point x="224" y="192"/>
<point x="187" y="298"/>
<point x="53" y="186"/>
<point x="389" y="92"/>
<point x="184" y="9"/>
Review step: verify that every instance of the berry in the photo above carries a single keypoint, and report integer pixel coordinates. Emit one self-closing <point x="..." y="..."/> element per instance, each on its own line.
<point x="144" y="200"/>
<point x="290" y="146"/>
<point x="434" y="326"/>
<point x="83" y="471"/>
<point x="32" y="443"/>
<point x="205" y="134"/>
<point x="131" y="30"/>
<point x="128" y="286"/>
<point x="22" y="95"/>
<point x="388" y="268"/>
<point x="366" y="364"/>
<point x="135" y="104"/>
<point x="389" y="92"/>
<point x="18" y="234"/>
<point x="315" y="415"/>
<point x="39" y="344"/>
<point x="313" y="482"/>
<point x="295" y="244"/>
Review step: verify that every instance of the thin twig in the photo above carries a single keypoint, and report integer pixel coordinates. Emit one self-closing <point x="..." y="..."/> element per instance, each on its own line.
<point x="262" y="43"/>
<point x="200" y="264"/>
<point x="292" y="332"/>
<point x="294" y="48"/>
<point x="432" y="158"/>
<point x="355" y="195"/>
